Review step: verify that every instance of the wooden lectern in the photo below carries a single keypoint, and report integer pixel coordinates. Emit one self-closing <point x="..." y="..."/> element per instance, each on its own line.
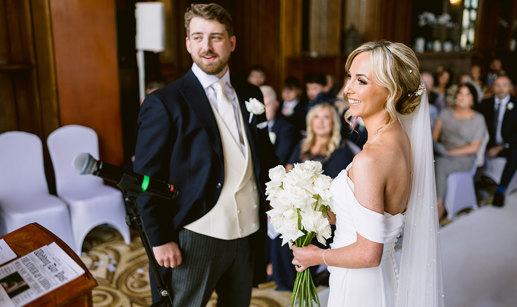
<point x="77" y="292"/>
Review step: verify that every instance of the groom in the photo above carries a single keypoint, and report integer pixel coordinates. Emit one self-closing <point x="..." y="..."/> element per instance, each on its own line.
<point x="197" y="134"/>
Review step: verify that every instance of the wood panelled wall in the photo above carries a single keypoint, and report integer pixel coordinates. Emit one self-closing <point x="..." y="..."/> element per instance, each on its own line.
<point x="85" y="49"/>
<point x="58" y="66"/>
<point x="60" y="63"/>
<point x="27" y="83"/>
<point x="269" y="33"/>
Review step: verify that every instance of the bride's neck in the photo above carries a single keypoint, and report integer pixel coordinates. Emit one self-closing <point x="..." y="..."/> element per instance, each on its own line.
<point x="374" y="123"/>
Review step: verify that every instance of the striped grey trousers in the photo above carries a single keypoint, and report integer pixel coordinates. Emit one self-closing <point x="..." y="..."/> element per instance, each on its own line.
<point x="209" y="264"/>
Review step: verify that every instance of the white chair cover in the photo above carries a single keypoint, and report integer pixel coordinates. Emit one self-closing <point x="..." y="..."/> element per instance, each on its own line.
<point x="24" y="195"/>
<point x="91" y="202"/>
<point x="460" y="193"/>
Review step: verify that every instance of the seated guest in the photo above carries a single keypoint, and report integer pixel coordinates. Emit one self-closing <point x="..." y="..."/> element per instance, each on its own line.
<point x="292" y="107"/>
<point x="281" y="132"/>
<point x="476" y="74"/>
<point x="459" y="132"/>
<point x="332" y="87"/>
<point x="501" y="120"/>
<point x="257" y="75"/>
<point x="466" y="78"/>
<point x="495" y="69"/>
<point x="323" y="143"/>
<point x="315" y="88"/>
<point x="428" y="80"/>
<point x="443" y="89"/>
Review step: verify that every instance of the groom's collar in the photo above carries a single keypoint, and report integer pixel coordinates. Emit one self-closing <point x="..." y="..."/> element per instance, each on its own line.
<point x="207" y="80"/>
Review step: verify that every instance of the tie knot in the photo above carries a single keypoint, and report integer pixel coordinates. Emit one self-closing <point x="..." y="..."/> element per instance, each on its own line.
<point x="219" y="85"/>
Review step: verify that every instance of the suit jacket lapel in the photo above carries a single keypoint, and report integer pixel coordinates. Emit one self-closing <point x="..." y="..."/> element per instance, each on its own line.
<point x="195" y="96"/>
<point x="507" y="117"/>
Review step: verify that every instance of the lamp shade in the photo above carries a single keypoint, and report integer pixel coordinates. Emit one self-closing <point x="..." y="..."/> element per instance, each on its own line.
<point x="150" y="26"/>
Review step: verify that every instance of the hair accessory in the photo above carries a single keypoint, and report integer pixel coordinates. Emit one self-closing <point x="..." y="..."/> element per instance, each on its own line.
<point x="410" y="71"/>
<point x="419" y="91"/>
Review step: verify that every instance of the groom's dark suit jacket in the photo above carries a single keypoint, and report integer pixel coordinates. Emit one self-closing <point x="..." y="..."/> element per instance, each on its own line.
<point x="179" y="142"/>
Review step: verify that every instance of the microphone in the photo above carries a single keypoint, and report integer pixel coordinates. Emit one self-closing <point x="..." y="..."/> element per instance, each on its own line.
<point x="85" y="164"/>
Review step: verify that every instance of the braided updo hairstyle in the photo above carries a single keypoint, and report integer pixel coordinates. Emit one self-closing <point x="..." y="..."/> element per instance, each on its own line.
<point x="395" y="67"/>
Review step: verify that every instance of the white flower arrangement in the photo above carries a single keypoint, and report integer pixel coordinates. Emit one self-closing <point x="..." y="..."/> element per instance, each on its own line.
<point x="300" y="200"/>
<point x="429" y="19"/>
<point x="509" y="106"/>
<point x="254" y="107"/>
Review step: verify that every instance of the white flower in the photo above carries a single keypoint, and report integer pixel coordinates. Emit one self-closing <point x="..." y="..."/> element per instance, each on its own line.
<point x="254" y="107"/>
<point x="315" y="222"/>
<point x="298" y="199"/>
<point x="444" y="19"/>
<point x="277" y="173"/>
<point x="509" y="106"/>
<point x="313" y="167"/>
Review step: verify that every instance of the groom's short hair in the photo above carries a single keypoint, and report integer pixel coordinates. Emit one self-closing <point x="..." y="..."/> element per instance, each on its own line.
<point x="210" y="11"/>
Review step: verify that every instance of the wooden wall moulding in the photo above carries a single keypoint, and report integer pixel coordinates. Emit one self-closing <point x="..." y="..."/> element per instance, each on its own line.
<point x="87" y="70"/>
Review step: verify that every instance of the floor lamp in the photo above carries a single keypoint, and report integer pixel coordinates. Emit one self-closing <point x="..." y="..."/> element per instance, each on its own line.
<point x="150" y="31"/>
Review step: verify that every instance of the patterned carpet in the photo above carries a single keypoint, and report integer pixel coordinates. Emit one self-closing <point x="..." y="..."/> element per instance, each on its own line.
<point x="121" y="272"/>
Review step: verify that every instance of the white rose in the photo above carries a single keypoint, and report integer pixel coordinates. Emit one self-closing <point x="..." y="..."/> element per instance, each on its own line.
<point x="322" y="184"/>
<point x="297" y="177"/>
<point x="277" y="173"/>
<point x="312" y="167"/>
<point x="254" y="107"/>
<point x="300" y="198"/>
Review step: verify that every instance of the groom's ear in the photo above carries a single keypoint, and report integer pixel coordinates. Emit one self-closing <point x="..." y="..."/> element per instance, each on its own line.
<point x="233" y="42"/>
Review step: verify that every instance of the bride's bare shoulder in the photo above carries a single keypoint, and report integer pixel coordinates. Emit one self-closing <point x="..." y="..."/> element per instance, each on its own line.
<point x="368" y="159"/>
<point x="381" y="157"/>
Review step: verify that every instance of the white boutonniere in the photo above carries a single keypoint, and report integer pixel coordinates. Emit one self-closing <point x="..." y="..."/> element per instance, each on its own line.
<point x="255" y="107"/>
<point x="509" y="106"/>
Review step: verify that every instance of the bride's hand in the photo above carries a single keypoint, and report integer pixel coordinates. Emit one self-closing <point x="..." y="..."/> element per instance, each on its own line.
<point x="305" y="257"/>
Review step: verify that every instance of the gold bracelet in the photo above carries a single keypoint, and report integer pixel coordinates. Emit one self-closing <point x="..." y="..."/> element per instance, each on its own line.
<point x="323" y="256"/>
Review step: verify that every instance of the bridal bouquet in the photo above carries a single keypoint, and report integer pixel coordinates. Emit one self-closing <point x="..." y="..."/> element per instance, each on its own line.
<point x="300" y="200"/>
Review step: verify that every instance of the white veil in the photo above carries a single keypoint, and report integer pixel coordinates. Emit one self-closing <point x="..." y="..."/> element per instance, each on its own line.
<point x="420" y="279"/>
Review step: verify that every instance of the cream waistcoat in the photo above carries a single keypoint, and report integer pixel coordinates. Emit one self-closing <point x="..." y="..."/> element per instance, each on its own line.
<point x="236" y="213"/>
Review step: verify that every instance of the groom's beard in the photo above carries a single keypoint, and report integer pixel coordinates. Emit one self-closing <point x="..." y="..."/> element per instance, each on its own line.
<point x="214" y="67"/>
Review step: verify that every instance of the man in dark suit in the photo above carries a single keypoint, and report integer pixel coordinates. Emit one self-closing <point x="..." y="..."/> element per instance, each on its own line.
<point x="292" y="108"/>
<point x="501" y="119"/>
<point x="197" y="134"/>
<point x="281" y="132"/>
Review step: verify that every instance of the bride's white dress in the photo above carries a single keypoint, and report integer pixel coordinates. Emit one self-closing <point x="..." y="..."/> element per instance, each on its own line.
<point x="365" y="286"/>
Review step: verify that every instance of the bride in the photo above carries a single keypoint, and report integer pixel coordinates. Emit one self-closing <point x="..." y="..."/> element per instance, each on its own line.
<point x="386" y="190"/>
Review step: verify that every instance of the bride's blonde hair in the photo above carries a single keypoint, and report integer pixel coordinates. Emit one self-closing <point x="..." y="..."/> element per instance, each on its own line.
<point x="395" y="67"/>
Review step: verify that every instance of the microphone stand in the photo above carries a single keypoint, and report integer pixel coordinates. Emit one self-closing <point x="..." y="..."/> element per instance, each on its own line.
<point x="131" y="189"/>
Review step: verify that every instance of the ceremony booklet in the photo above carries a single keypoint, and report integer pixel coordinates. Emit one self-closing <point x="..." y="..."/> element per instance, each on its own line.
<point x="36" y="274"/>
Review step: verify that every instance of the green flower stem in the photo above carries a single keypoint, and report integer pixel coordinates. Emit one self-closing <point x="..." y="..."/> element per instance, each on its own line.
<point x="304" y="288"/>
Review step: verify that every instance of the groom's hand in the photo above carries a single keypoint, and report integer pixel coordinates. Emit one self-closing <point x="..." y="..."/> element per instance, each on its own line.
<point x="168" y="255"/>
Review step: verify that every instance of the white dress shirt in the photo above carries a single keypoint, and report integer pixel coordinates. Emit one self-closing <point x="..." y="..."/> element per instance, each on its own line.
<point x="206" y="81"/>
